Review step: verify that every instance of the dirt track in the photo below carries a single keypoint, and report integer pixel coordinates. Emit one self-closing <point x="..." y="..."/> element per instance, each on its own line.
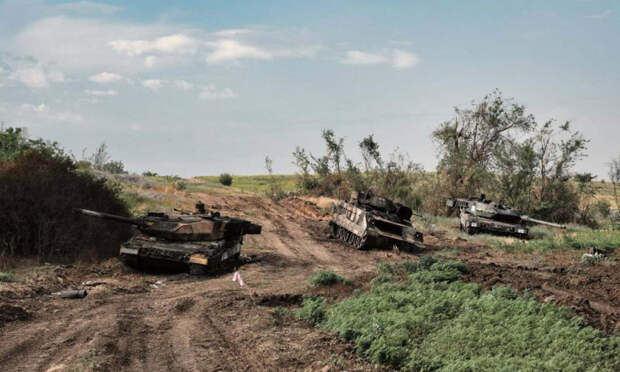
<point x="134" y="321"/>
<point x="149" y="322"/>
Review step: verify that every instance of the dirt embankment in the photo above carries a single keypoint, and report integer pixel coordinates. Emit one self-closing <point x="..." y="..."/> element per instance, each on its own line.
<point x="136" y="321"/>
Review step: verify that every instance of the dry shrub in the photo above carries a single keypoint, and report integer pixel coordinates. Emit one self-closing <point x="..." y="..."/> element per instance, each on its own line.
<point x="38" y="193"/>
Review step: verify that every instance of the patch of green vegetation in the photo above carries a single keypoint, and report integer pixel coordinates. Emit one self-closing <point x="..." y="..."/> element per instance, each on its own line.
<point x="602" y="240"/>
<point x="139" y="203"/>
<point x="313" y="310"/>
<point x="326" y="278"/>
<point x="7" y="277"/>
<point x="257" y="184"/>
<point x="425" y="319"/>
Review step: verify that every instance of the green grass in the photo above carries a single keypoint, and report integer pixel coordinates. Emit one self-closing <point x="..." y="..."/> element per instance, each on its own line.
<point x="420" y="317"/>
<point x="7" y="277"/>
<point x="603" y="240"/>
<point x="257" y="184"/>
<point x="326" y="278"/>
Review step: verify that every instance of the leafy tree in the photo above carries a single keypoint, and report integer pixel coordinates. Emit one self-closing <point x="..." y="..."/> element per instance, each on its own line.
<point x="14" y="143"/>
<point x="335" y="148"/>
<point x="468" y="142"/>
<point x="370" y="153"/>
<point x="614" y="177"/>
<point x="516" y="171"/>
<point x="557" y="152"/>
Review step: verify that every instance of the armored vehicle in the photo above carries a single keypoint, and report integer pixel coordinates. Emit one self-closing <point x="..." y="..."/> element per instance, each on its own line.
<point x="199" y="242"/>
<point x="368" y="221"/>
<point x="483" y="215"/>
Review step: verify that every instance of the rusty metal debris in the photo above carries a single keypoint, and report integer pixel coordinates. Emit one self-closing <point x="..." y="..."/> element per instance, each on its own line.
<point x="73" y="293"/>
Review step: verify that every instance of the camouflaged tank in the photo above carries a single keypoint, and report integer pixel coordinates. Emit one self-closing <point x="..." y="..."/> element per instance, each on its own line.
<point x="201" y="243"/>
<point x="369" y="221"/>
<point x="483" y="215"/>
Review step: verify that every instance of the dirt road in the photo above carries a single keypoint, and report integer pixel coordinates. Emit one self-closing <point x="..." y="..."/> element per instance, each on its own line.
<point x="174" y="322"/>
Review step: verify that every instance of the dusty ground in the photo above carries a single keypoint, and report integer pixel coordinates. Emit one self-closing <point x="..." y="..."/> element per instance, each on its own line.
<point x="136" y="321"/>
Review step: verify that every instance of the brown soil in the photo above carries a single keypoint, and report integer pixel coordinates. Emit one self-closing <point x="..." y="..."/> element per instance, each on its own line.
<point x="138" y="321"/>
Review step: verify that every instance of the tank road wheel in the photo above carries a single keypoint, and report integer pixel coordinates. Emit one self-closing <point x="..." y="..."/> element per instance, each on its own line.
<point x="351" y="239"/>
<point x="360" y="243"/>
<point x="470" y="230"/>
<point x="333" y="231"/>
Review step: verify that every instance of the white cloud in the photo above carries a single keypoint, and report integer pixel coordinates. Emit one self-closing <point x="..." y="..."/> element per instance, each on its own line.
<point x="101" y="93"/>
<point x="210" y="92"/>
<point x="357" y="57"/>
<point x="153" y="84"/>
<point x="232" y="32"/>
<point x="83" y="43"/>
<point x="601" y="15"/>
<point x="86" y="7"/>
<point x="149" y="61"/>
<point x="227" y="50"/>
<point x="44" y="112"/>
<point x="34" y="108"/>
<point x="172" y="44"/>
<point x="399" y="59"/>
<point x="33" y="77"/>
<point x="182" y="84"/>
<point x="402" y="59"/>
<point x="105" y="77"/>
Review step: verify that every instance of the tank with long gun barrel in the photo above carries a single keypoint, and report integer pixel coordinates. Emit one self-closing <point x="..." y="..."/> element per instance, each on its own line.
<point x="483" y="215"/>
<point x="201" y="242"/>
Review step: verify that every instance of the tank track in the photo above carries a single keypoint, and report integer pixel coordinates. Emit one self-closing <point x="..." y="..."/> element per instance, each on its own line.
<point x="348" y="238"/>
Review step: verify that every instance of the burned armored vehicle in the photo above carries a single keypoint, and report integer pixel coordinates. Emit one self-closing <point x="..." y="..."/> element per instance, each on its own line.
<point x="369" y="221"/>
<point x="201" y="243"/>
<point x="483" y="215"/>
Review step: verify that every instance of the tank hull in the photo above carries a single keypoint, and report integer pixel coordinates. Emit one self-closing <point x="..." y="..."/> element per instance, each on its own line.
<point x="148" y="252"/>
<point x="365" y="229"/>
<point x="475" y="224"/>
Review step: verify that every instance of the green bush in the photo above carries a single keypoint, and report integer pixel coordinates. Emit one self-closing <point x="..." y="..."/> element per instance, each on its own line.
<point x="6" y="277"/>
<point x="326" y="278"/>
<point x="432" y="322"/>
<point x="181" y="185"/>
<point x="313" y="310"/>
<point x="226" y="179"/>
<point x="41" y="189"/>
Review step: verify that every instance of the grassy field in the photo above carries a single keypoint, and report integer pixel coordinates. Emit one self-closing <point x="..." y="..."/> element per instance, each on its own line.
<point x="418" y="316"/>
<point x="257" y="184"/>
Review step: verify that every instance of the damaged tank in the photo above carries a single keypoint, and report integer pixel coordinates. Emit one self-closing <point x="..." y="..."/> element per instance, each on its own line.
<point x="483" y="215"/>
<point x="369" y="221"/>
<point x="202" y="243"/>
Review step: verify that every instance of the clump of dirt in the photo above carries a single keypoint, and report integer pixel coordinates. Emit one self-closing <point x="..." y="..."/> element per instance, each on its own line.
<point x="184" y="304"/>
<point x="285" y="299"/>
<point x="9" y="313"/>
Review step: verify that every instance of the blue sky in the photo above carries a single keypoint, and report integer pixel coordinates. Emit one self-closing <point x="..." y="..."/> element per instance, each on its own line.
<point x="196" y="88"/>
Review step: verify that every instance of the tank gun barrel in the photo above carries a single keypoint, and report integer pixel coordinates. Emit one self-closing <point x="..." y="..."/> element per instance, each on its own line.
<point x="541" y="222"/>
<point x="113" y="217"/>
